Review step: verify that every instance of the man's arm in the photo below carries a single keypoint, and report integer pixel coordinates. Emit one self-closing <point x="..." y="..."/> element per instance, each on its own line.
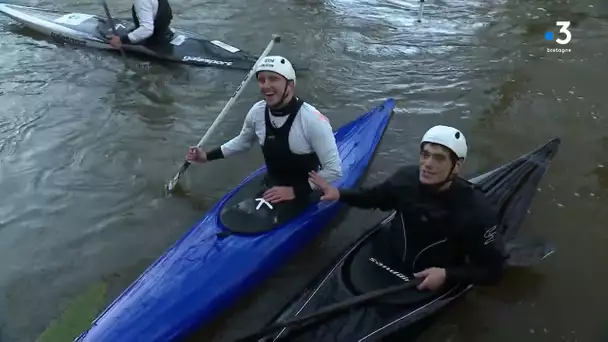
<point x="486" y="261"/>
<point x="145" y="14"/>
<point x="321" y="137"/>
<point x="384" y="196"/>
<point x="240" y="143"/>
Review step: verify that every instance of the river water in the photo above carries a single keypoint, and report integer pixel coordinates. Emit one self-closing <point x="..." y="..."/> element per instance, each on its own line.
<point x="86" y="148"/>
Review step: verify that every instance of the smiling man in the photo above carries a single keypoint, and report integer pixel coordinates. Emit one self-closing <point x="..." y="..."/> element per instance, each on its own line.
<point x="295" y="137"/>
<point x="445" y="230"/>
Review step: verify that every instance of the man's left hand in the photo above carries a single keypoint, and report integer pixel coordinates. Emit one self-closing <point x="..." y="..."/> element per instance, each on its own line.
<point x="115" y="42"/>
<point x="279" y="194"/>
<point x="434" y="277"/>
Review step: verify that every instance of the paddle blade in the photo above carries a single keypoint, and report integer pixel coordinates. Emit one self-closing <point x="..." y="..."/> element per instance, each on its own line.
<point x="170" y="187"/>
<point x="175" y="189"/>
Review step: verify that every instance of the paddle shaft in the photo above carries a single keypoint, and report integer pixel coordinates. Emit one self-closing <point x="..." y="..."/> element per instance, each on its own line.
<point x="331" y="310"/>
<point x="111" y="22"/>
<point x="237" y="93"/>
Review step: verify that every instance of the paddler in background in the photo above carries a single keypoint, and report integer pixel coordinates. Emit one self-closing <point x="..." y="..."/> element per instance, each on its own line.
<point x="438" y="213"/>
<point x="152" y="20"/>
<point x="295" y="137"/>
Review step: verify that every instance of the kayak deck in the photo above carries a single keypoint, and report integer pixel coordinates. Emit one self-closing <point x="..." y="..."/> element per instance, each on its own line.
<point x="89" y="30"/>
<point x="365" y="267"/>
<point x="209" y="269"/>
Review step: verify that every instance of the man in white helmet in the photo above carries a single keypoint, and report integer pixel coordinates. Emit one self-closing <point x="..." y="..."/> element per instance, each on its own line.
<point x="295" y="137"/>
<point x="438" y="213"/>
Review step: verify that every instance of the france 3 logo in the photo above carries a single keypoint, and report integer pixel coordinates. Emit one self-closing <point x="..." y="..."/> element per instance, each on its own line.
<point x="563" y="29"/>
<point x="563" y="37"/>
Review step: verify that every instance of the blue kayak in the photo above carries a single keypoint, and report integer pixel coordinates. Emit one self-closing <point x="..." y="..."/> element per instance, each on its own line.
<point x="238" y="244"/>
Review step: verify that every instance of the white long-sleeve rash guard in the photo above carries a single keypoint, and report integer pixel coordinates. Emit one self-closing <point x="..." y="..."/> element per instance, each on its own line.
<point x="146" y="12"/>
<point x="310" y="132"/>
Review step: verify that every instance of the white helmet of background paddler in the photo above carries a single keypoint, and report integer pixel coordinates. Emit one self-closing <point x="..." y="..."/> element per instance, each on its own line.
<point x="449" y="137"/>
<point x="277" y="64"/>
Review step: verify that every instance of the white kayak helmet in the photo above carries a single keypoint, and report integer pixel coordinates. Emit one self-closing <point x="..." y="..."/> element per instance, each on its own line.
<point x="449" y="137"/>
<point x="277" y="64"/>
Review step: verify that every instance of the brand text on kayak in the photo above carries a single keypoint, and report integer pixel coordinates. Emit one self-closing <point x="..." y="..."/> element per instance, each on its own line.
<point x="205" y="60"/>
<point x="66" y="39"/>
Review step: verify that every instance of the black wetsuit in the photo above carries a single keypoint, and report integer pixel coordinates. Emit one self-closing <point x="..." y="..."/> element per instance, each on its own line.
<point x="459" y="220"/>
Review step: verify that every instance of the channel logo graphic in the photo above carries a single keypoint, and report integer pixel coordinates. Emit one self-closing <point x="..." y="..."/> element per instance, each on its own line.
<point x="563" y="29"/>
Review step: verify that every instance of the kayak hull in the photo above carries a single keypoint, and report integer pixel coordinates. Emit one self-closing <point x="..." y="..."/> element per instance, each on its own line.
<point x="511" y="188"/>
<point x="205" y="273"/>
<point x="86" y="30"/>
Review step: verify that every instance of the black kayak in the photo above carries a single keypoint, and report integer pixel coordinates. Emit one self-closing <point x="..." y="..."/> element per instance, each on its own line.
<point x="365" y="295"/>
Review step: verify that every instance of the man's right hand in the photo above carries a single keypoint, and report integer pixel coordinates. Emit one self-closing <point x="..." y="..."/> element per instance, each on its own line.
<point x="196" y="154"/>
<point x="330" y="193"/>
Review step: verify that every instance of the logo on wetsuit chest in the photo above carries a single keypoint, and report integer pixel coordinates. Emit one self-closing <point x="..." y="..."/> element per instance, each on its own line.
<point x="489" y="235"/>
<point x="392" y="271"/>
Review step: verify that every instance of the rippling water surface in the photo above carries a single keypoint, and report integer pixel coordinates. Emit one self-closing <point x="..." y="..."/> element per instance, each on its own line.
<point x="85" y="148"/>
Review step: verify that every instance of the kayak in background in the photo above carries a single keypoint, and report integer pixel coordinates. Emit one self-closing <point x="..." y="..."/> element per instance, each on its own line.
<point x="343" y="302"/>
<point x="90" y="30"/>
<point x="238" y="244"/>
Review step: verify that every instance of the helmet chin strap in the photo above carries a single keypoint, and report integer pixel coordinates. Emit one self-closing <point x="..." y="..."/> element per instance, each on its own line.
<point x="283" y="97"/>
<point x="437" y="186"/>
